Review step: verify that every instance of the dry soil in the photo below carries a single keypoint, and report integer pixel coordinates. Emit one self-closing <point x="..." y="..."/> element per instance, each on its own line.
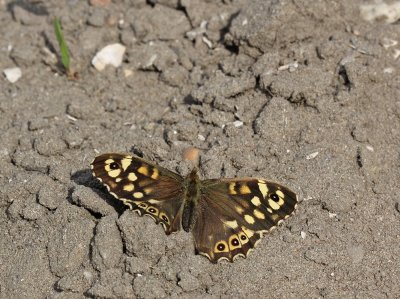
<point x="301" y="92"/>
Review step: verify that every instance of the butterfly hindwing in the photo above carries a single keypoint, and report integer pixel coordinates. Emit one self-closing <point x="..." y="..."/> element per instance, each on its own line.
<point x="142" y="186"/>
<point x="236" y="212"/>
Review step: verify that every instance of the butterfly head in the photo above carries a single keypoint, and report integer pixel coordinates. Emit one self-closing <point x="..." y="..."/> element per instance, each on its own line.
<point x="194" y="174"/>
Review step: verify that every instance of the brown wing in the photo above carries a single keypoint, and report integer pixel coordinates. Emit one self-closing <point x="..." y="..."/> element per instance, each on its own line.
<point x="142" y="186"/>
<point x="233" y="214"/>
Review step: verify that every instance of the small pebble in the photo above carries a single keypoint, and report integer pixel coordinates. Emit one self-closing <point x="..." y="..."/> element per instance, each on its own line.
<point x="109" y="55"/>
<point x="388" y="70"/>
<point x="396" y="53"/>
<point x="312" y="155"/>
<point x="128" y="72"/>
<point x="238" y="123"/>
<point x="13" y="74"/>
<point x="207" y="42"/>
<point x="332" y="215"/>
<point x="370" y="148"/>
<point x="381" y="11"/>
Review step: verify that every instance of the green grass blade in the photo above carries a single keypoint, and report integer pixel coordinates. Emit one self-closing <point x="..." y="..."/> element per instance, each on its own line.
<point x="65" y="58"/>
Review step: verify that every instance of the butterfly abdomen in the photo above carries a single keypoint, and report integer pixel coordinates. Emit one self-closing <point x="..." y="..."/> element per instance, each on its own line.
<point x="192" y="193"/>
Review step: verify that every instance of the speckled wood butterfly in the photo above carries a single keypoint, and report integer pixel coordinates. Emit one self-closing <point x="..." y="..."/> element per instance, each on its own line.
<point x="226" y="216"/>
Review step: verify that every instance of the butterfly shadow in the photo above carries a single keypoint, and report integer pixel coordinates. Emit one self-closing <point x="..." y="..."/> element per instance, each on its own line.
<point x="85" y="178"/>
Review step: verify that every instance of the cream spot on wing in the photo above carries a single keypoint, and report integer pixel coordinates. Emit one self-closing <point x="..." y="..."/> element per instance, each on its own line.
<point x="153" y="201"/>
<point x="129" y="187"/>
<point x="269" y="210"/>
<point x="273" y="204"/>
<point x="258" y="214"/>
<point x="249" y="233"/>
<point x="275" y="217"/>
<point x="280" y="193"/>
<point x="144" y="170"/>
<point x="138" y="195"/>
<point x="114" y="173"/>
<point x="118" y="180"/>
<point x="125" y="163"/>
<point x="132" y="176"/>
<point x="232" y="188"/>
<point x="147" y="190"/>
<point x="256" y="201"/>
<point x="249" y="219"/>
<point x="155" y="174"/>
<point x="109" y="161"/>
<point x="263" y="188"/>
<point x="244" y="189"/>
<point x="239" y="209"/>
<point x="233" y="224"/>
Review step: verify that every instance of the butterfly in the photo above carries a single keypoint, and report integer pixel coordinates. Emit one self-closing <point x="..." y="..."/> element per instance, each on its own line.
<point x="227" y="217"/>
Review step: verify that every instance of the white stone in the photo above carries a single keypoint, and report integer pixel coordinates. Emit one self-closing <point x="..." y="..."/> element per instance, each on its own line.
<point x="377" y="11"/>
<point x="238" y="123"/>
<point x="332" y="215"/>
<point x="13" y="74"/>
<point x="396" y="53"/>
<point x="127" y="73"/>
<point x="290" y="66"/>
<point x="388" y="70"/>
<point x="109" y="55"/>
<point x="312" y="155"/>
<point x="207" y="42"/>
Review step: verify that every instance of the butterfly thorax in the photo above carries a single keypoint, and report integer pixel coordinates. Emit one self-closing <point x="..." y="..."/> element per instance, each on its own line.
<point x="192" y="193"/>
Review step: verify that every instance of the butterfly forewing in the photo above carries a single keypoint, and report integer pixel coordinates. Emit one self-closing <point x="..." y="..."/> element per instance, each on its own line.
<point x="236" y="212"/>
<point x="142" y="186"/>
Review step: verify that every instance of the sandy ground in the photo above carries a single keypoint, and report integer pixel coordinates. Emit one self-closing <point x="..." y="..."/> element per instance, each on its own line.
<point x="301" y="92"/>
